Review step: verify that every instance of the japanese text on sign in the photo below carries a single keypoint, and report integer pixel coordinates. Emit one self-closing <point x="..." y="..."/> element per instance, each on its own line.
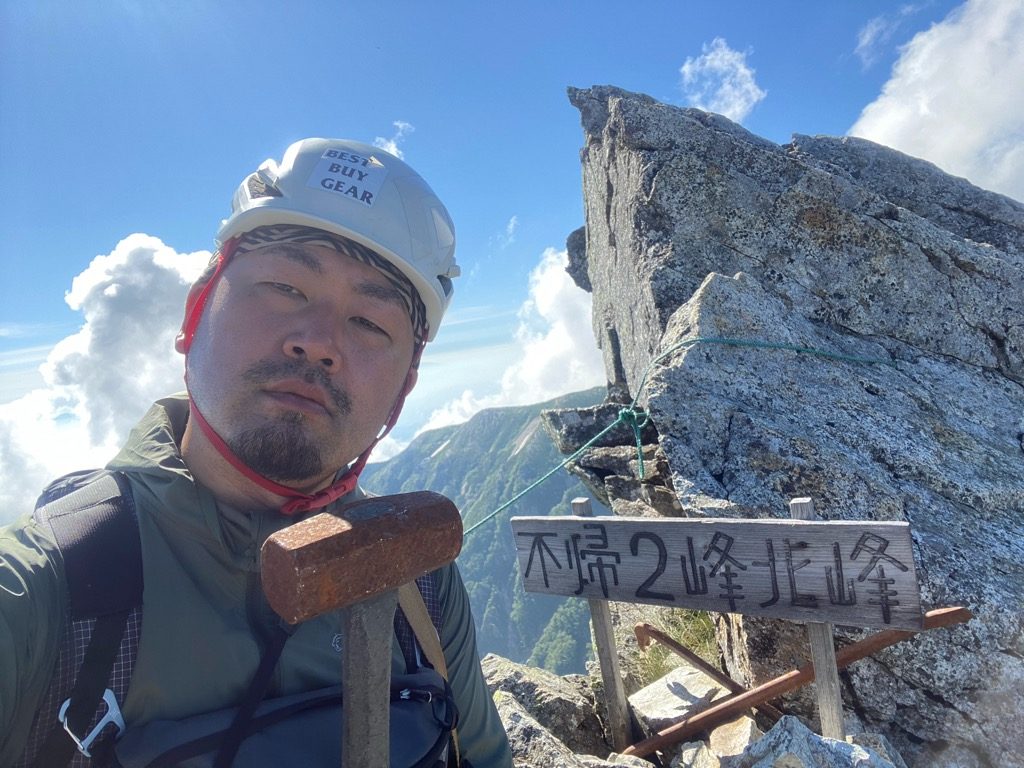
<point x="857" y="573"/>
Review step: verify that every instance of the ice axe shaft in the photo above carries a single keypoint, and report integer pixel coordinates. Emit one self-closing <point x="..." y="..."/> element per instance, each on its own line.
<point x="355" y="560"/>
<point x="365" y="727"/>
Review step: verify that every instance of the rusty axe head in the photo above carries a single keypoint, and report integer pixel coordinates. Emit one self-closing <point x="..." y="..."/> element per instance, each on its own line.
<point x="333" y="560"/>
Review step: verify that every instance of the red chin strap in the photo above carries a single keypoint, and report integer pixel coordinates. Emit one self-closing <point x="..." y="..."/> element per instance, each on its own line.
<point x="194" y="305"/>
<point x="298" y="501"/>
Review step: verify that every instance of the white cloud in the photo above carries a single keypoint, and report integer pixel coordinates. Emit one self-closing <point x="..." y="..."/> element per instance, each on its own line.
<point x="386" y="449"/>
<point x="100" y="380"/>
<point x="877" y="32"/>
<point x="555" y="349"/>
<point x="719" y="80"/>
<point x="19" y="330"/>
<point x="506" y="237"/>
<point x="871" y="36"/>
<point x="955" y="96"/>
<point x="391" y="145"/>
<point x="510" y="229"/>
<point x="19" y="370"/>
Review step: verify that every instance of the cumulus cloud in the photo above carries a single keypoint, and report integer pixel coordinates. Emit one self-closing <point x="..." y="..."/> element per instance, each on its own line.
<point x="719" y="80"/>
<point x="556" y="352"/>
<point x="955" y="97"/>
<point x="391" y="145"/>
<point x="99" y="381"/>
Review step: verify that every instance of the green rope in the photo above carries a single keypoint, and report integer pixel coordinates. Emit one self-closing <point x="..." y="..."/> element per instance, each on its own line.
<point x="630" y="417"/>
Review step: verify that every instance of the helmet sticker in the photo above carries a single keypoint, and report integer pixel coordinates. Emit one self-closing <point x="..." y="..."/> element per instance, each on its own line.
<point x="349" y="174"/>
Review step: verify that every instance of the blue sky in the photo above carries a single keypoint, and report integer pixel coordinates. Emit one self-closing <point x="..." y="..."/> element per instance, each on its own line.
<point x="141" y="117"/>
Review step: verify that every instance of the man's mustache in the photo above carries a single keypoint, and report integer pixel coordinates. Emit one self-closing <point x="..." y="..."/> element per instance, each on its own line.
<point x="267" y="371"/>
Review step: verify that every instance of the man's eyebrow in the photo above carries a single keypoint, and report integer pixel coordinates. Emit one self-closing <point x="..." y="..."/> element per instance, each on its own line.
<point x="386" y="293"/>
<point x="299" y="255"/>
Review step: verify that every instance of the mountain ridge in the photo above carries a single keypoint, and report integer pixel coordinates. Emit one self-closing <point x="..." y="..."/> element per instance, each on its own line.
<point x="480" y="465"/>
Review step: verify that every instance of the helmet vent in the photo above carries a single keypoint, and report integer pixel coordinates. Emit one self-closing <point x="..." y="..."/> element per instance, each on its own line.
<point x="259" y="188"/>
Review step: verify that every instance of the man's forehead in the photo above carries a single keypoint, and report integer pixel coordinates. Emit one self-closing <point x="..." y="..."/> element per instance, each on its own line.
<point x="300" y="254"/>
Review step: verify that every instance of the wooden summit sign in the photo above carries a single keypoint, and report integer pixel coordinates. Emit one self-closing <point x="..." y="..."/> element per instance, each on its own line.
<point x="844" y="572"/>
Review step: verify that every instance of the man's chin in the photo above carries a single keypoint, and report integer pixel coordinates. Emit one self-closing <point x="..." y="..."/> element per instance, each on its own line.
<point x="280" y="452"/>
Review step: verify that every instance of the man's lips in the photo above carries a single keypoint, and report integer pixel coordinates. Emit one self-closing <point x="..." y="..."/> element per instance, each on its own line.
<point x="299" y="394"/>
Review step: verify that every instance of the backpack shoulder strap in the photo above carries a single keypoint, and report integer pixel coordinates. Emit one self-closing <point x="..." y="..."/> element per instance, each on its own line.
<point x="94" y="525"/>
<point x="413" y="605"/>
<point x="415" y="609"/>
<point x="407" y="639"/>
<point x="92" y="518"/>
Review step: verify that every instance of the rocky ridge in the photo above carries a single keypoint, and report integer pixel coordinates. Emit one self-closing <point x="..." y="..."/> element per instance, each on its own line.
<point x="904" y="287"/>
<point x="557" y="722"/>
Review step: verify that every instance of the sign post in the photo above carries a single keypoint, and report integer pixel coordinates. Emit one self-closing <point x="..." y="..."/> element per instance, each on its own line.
<point x="823" y="654"/>
<point x="608" y="657"/>
<point x="857" y="573"/>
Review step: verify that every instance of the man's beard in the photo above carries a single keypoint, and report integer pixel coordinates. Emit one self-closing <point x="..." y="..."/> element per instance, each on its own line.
<point x="282" y="449"/>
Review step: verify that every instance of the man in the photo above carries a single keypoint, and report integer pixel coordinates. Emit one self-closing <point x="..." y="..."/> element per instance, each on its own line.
<point x="301" y="341"/>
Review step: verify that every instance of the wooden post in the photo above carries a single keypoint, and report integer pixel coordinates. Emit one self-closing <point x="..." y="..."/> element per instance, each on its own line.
<point x="604" y="638"/>
<point x="823" y="654"/>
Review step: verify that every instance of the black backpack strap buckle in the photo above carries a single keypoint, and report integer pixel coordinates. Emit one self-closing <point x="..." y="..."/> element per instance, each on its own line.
<point x="112" y="715"/>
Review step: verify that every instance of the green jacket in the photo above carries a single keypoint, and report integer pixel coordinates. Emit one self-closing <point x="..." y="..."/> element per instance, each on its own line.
<point x="203" y="608"/>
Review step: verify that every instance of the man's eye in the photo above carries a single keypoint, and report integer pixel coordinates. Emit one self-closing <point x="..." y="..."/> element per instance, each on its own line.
<point x="370" y="325"/>
<point x="285" y="289"/>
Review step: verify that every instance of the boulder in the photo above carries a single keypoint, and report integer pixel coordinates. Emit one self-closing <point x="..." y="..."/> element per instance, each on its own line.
<point x="564" y="707"/>
<point x="919" y="186"/>
<point x="695" y="754"/>
<point x="683" y="691"/>
<point x="835" y="320"/>
<point x="735" y="736"/>
<point x="789" y="744"/>
<point x="533" y="746"/>
<point x="614" y="760"/>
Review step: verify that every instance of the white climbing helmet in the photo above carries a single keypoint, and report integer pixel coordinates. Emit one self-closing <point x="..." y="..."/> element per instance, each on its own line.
<point x="362" y="193"/>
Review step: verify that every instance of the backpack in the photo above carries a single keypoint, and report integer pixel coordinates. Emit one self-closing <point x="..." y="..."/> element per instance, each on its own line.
<point x="92" y="517"/>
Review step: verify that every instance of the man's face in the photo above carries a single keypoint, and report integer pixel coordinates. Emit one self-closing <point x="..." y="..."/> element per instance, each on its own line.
<point x="298" y="360"/>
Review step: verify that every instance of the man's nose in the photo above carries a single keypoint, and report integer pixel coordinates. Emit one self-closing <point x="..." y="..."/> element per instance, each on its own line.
<point x="314" y="342"/>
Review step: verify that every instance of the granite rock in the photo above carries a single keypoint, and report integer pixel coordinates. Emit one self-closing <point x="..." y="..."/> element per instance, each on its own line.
<point x="873" y="309"/>
<point x="791" y="745"/>
<point x="565" y="707"/>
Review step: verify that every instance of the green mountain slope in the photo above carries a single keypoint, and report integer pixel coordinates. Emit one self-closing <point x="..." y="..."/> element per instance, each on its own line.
<point x="480" y="465"/>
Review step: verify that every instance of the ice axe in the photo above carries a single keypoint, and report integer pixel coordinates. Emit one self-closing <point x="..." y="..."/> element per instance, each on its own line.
<point x="355" y="560"/>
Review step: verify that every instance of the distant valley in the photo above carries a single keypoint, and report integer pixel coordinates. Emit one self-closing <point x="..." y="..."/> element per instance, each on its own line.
<point x="480" y="465"/>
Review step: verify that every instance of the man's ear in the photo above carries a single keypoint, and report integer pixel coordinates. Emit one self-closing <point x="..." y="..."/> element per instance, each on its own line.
<point x="183" y="340"/>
